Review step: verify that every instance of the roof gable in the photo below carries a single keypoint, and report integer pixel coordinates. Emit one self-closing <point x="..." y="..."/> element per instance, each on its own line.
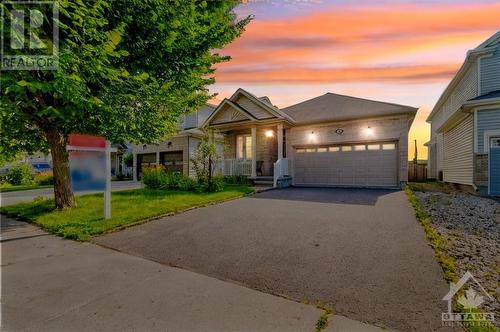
<point x="228" y="112"/>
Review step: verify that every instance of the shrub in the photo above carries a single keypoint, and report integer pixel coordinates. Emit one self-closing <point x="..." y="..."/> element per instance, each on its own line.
<point x="236" y="179"/>
<point x="156" y="177"/>
<point x="212" y="185"/>
<point x="128" y="159"/>
<point x="20" y="174"/>
<point x="44" y="178"/>
<point x="153" y="176"/>
<point x="120" y="176"/>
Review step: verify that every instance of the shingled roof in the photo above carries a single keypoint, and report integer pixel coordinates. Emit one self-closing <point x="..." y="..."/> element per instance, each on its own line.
<point x="335" y="107"/>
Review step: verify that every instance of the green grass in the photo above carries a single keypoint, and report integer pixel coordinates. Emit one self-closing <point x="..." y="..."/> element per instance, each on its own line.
<point x="437" y="241"/>
<point x="128" y="208"/>
<point x="322" y="321"/>
<point x="8" y="188"/>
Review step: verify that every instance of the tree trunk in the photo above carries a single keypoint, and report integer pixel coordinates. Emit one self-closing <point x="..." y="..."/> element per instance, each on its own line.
<point x="60" y="160"/>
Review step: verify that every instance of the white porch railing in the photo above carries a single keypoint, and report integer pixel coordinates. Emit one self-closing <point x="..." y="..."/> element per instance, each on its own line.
<point x="237" y="167"/>
<point x="280" y="170"/>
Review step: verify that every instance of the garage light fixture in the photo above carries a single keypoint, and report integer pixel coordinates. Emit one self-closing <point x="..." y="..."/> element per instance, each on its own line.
<point x="369" y="131"/>
<point x="269" y="133"/>
<point x="312" y="136"/>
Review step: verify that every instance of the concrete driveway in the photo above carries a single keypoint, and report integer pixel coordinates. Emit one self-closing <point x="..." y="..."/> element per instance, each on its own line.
<point x="360" y="251"/>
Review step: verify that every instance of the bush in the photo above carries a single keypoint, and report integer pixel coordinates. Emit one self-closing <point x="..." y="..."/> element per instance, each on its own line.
<point x="156" y="177"/>
<point x="236" y="179"/>
<point x="20" y="174"/>
<point x="44" y="178"/>
<point x="213" y="185"/>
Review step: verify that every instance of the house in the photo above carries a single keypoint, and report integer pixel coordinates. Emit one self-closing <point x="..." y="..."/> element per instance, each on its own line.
<point x="329" y="140"/>
<point x="175" y="153"/>
<point x="465" y="123"/>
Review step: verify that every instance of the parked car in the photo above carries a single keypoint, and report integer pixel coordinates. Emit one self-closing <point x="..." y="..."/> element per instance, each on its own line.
<point x="41" y="167"/>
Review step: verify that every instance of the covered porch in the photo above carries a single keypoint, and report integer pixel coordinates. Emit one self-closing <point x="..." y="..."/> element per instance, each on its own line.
<point x="253" y="151"/>
<point x="254" y="136"/>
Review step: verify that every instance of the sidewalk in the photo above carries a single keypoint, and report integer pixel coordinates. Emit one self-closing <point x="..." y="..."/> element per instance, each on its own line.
<point x="52" y="284"/>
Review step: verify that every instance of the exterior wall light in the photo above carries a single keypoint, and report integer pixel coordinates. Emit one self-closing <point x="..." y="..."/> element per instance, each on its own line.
<point x="269" y="133"/>
<point x="369" y="131"/>
<point x="312" y="136"/>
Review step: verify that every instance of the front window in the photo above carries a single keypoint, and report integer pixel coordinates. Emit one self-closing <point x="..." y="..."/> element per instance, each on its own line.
<point x="244" y="147"/>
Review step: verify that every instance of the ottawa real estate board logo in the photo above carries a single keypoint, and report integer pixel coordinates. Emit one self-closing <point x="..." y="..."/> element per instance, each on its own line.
<point x="469" y="295"/>
<point x="30" y="35"/>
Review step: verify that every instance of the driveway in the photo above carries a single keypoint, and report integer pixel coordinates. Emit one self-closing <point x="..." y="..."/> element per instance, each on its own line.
<point x="14" y="197"/>
<point x="358" y="250"/>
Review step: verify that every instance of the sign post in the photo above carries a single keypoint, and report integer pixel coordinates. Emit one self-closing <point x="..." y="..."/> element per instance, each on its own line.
<point x="89" y="156"/>
<point x="107" y="189"/>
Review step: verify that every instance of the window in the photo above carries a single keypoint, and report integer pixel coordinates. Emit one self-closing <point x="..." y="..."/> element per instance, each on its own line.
<point x="310" y="150"/>
<point x="322" y="149"/>
<point x="360" y="147"/>
<point x="347" y="148"/>
<point x="244" y="147"/>
<point x="301" y="150"/>
<point x="390" y="146"/>
<point x="373" y="146"/>
<point x="334" y="148"/>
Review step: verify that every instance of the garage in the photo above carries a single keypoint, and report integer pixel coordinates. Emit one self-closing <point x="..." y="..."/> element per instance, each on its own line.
<point x="352" y="165"/>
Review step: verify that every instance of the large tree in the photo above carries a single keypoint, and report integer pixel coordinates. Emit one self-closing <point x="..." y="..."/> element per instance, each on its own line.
<point x="127" y="70"/>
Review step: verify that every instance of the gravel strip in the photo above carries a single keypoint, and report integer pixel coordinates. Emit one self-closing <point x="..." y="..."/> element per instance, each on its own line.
<point x="471" y="225"/>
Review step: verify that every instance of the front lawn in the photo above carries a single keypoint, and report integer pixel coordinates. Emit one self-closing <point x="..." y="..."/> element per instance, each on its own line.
<point x="9" y="188"/>
<point x="128" y="208"/>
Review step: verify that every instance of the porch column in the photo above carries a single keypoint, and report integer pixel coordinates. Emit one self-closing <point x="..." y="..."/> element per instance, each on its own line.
<point x="134" y="167"/>
<point x="280" y="141"/>
<point x="254" y="151"/>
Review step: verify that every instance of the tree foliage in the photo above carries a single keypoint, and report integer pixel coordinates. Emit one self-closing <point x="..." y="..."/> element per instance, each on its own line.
<point x="127" y="70"/>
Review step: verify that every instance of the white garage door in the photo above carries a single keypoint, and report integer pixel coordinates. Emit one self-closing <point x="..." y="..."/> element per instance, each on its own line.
<point x="357" y="165"/>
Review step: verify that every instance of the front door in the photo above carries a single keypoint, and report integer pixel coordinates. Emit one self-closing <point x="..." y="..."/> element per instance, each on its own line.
<point x="494" y="166"/>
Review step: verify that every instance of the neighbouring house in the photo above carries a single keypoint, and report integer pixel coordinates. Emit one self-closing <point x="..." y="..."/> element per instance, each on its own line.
<point x="118" y="162"/>
<point x="175" y="153"/>
<point x="330" y="140"/>
<point x="465" y="123"/>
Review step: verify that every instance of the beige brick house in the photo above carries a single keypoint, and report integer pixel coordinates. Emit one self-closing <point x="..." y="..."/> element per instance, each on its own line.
<point x="330" y="140"/>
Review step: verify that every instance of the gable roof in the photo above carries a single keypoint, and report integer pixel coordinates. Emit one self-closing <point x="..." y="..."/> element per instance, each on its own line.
<point x="485" y="47"/>
<point x="249" y="107"/>
<point x="334" y="107"/>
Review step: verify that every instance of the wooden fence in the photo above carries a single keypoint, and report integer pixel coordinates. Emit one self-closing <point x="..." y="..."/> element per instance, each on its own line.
<point x="417" y="172"/>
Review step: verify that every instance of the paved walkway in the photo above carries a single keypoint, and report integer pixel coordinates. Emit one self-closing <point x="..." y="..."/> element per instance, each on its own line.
<point x="14" y="197"/>
<point x="52" y="284"/>
<point x="360" y="251"/>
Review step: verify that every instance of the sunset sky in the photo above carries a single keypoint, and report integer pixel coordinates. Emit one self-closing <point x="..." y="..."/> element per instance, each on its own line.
<point x="397" y="51"/>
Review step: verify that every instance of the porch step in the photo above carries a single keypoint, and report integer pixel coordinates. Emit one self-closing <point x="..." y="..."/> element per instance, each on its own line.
<point x="262" y="180"/>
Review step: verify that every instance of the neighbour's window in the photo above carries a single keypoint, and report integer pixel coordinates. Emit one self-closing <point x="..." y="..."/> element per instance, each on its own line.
<point x="347" y="148"/>
<point x="333" y="148"/>
<point x="373" y="146"/>
<point x="310" y="150"/>
<point x="360" y="147"/>
<point x="322" y="149"/>
<point x="390" y="146"/>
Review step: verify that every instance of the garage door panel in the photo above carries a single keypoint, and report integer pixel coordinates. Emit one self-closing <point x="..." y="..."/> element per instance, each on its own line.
<point x="365" y="167"/>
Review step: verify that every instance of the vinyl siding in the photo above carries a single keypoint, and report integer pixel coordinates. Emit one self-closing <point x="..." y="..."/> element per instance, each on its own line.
<point x="486" y="120"/>
<point x="466" y="89"/>
<point x="458" y="153"/>
<point x="490" y="72"/>
<point x="252" y="108"/>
